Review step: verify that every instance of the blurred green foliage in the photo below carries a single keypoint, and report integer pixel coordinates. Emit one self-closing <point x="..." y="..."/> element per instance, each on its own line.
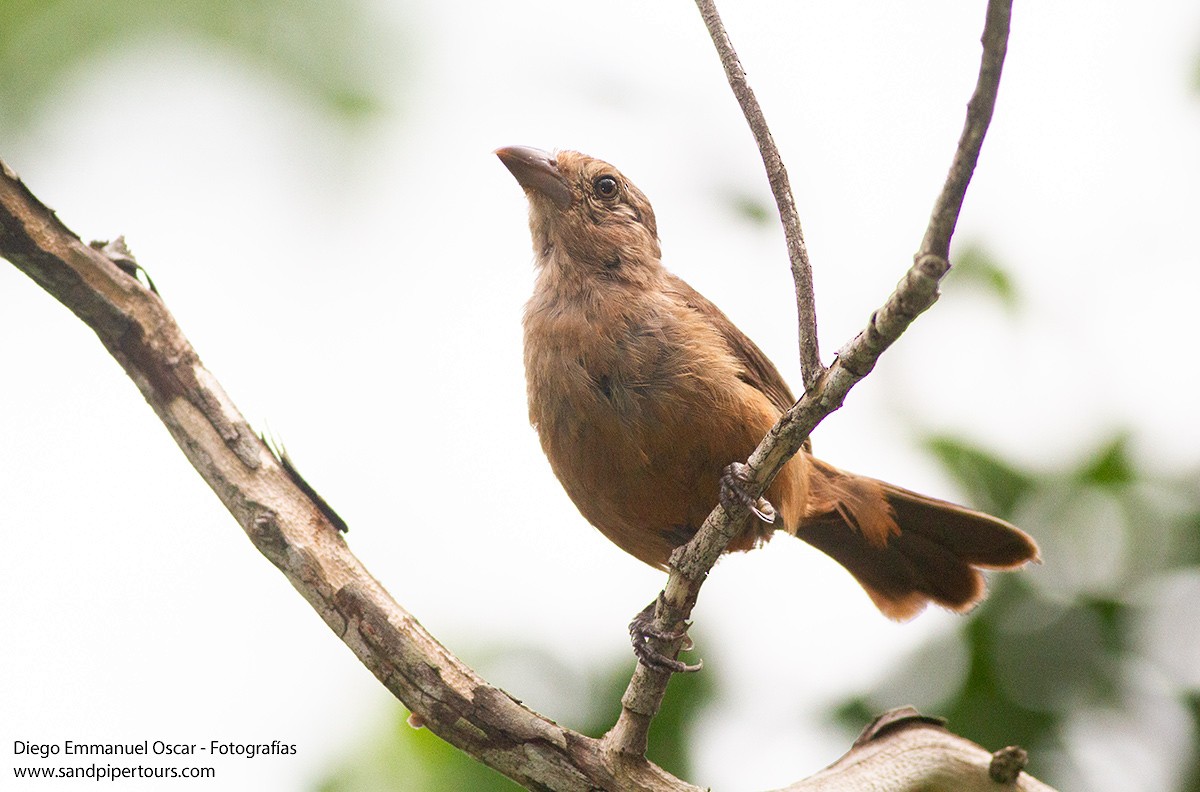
<point x="1063" y="639"/>
<point x="416" y="760"/>
<point x="751" y="209"/>
<point x="974" y="265"/>
<point x="334" y="52"/>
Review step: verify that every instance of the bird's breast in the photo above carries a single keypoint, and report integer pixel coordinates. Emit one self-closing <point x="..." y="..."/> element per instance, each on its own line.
<point x="606" y="366"/>
<point x="638" y="413"/>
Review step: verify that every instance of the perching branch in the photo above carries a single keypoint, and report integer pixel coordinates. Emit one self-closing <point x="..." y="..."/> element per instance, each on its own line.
<point x="811" y="367"/>
<point x="917" y="290"/>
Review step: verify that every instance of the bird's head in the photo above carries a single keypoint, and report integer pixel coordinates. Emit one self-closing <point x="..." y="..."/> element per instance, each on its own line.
<point x="587" y="210"/>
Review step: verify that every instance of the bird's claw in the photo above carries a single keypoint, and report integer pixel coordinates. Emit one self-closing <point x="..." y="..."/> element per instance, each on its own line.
<point x="734" y="481"/>
<point x="642" y="629"/>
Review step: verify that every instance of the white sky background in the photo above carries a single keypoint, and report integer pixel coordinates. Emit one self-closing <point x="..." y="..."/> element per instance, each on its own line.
<point x="361" y="297"/>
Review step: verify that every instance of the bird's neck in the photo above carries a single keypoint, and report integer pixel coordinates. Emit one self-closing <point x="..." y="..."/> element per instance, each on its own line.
<point x="564" y="277"/>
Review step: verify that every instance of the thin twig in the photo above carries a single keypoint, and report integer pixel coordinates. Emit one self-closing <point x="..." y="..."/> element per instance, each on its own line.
<point x="915" y="292"/>
<point x="979" y="116"/>
<point x="806" y="304"/>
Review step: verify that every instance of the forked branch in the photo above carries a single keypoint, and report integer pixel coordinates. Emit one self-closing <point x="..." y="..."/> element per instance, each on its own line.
<point x="917" y="290"/>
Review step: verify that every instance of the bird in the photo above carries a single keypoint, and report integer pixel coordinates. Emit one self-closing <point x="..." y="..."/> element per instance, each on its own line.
<point x="645" y="397"/>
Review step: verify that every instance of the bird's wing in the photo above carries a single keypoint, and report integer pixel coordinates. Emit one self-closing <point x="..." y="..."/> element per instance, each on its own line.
<point x="759" y="371"/>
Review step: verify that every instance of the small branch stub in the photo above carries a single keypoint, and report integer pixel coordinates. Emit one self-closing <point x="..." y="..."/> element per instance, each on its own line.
<point x="1007" y="764"/>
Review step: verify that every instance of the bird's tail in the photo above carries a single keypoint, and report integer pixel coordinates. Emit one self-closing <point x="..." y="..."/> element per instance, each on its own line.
<point x="906" y="549"/>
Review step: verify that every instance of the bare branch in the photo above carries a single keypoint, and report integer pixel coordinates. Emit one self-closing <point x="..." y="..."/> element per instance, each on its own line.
<point x="806" y="304"/>
<point x="916" y="291"/>
<point x="904" y="752"/>
<point x="979" y="116"/>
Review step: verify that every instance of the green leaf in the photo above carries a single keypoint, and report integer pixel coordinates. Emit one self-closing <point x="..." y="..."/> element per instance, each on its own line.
<point x="752" y="209"/>
<point x="975" y="265"/>
<point x="1111" y="466"/>
<point x="1191" y="772"/>
<point x="992" y="484"/>
<point x="415" y="760"/>
<point x="1186" y="542"/>
<point x="854" y="713"/>
<point x="331" y="52"/>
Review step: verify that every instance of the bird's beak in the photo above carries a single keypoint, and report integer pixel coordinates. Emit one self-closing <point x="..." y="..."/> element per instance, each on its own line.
<point x="536" y="170"/>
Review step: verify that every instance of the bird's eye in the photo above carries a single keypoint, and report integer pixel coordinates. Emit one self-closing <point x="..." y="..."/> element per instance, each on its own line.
<point x="605" y="187"/>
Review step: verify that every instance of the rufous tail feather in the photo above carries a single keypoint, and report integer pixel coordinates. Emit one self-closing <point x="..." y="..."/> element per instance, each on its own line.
<point x="905" y="549"/>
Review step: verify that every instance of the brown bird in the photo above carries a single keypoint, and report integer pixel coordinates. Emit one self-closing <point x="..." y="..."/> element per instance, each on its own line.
<point x="642" y="393"/>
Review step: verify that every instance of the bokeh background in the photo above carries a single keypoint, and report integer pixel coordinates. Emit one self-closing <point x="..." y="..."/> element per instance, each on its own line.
<point x="312" y="188"/>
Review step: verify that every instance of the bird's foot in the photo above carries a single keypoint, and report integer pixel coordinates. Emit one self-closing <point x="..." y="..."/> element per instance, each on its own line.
<point x="734" y="481"/>
<point x="642" y="630"/>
